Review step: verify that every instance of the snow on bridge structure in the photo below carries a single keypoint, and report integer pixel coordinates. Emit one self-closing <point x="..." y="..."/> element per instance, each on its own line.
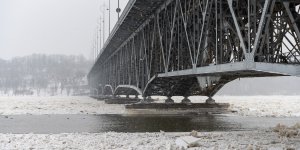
<point x="194" y="47"/>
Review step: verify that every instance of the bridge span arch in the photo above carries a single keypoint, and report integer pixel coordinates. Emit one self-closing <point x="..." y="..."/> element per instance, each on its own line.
<point x="128" y="90"/>
<point x="108" y="90"/>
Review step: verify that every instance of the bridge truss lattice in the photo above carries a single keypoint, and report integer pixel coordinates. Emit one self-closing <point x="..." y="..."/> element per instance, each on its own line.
<point x="194" y="47"/>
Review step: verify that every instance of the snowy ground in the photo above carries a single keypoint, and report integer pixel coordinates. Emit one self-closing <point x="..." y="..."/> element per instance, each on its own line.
<point x="56" y="105"/>
<point x="272" y="106"/>
<point x="260" y="106"/>
<point x="149" y="141"/>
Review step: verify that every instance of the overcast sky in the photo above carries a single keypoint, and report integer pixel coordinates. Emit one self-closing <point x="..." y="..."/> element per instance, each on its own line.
<point x="51" y="26"/>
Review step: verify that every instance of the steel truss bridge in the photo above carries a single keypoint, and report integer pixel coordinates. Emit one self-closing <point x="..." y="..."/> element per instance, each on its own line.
<point x="194" y="47"/>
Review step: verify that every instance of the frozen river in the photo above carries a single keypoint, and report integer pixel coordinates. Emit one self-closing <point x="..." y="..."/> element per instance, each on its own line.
<point x="54" y="124"/>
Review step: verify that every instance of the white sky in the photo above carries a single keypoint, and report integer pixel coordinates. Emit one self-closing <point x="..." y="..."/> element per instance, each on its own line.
<point x="51" y="26"/>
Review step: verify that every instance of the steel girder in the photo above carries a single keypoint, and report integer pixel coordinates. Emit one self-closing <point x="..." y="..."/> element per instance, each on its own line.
<point x="194" y="47"/>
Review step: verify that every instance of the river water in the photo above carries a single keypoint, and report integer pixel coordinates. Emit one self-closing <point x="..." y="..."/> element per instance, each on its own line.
<point x="52" y="124"/>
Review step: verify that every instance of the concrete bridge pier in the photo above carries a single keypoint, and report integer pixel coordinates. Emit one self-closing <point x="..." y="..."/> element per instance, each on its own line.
<point x="169" y="100"/>
<point x="210" y="100"/>
<point x="186" y="100"/>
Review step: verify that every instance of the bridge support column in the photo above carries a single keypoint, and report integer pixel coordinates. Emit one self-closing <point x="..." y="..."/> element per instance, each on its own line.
<point x="136" y="96"/>
<point x="149" y="99"/>
<point x="169" y="100"/>
<point x="186" y="100"/>
<point x="145" y="99"/>
<point x="127" y="96"/>
<point x="210" y="100"/>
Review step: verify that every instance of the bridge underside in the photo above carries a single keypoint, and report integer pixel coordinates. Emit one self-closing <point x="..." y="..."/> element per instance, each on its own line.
<point x="184" y="48"/>
<point x="208" y="80"/>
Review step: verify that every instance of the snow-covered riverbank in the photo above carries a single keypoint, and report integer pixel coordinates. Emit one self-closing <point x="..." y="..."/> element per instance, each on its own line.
<point x="272" y="106"/>
<point x="56" y="105"/>
<point x="148" y="141"/>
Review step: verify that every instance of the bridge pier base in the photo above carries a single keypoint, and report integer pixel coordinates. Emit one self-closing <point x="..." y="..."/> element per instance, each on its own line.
<point x="127" y="96"/>
<point x="210" y="100"/>
<point x="186" y="100"/>
<point x="169" y="100"/>
<point x="146" y="100"/>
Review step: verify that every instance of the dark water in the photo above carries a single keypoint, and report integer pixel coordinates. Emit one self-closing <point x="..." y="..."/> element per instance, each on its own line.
<point x="44" y="124"/>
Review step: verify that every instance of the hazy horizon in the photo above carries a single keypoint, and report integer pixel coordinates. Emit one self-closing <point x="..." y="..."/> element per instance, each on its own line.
<point x="51" y="26"/>
<point x="53" y="54"/>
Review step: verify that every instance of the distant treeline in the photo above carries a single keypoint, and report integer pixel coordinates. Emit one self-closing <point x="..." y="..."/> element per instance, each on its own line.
<point x="54" y="74"/>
